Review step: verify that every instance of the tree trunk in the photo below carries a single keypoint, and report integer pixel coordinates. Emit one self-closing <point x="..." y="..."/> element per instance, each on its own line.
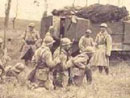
<point x="46" y="8"/>
<point x="16" y="14"/>
<point x="86" y="2"/>
<point x="7" y="12"/>
<point x="98" y="1"/>
<point x="73" y="3"/>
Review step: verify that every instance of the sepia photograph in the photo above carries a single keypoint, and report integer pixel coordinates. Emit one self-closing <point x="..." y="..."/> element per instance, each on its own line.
<point x="64" y="49"/>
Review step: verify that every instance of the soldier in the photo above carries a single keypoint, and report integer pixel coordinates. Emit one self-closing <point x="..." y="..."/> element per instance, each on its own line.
<point x="61" y="75"/>
<point x="14" y="71"/>
<point x="80" y="67"/>
<point x="30" y="38"/>
<point x="50" y="31"/>
<point x="86" y="42"/>
<point x="103" y="49"/>
<point x="44" y="63"/>
<point x="87" y="45"/>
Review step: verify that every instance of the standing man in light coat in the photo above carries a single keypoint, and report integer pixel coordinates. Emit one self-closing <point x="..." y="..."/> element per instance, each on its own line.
<point x="103" y="49"/>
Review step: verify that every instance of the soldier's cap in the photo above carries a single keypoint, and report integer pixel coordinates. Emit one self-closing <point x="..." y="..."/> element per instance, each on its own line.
<point x="1" y="40"/>
<point x="48" y="40"/>
<point x="19" y="67"/>
<point x="65" y="41"/>
<point x="31" y="25"/>
<point x="104" y="25"/>
<point x="88" y="31"/>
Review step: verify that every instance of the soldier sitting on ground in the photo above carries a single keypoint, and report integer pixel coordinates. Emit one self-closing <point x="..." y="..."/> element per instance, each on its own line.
<point x="14" y="71"/>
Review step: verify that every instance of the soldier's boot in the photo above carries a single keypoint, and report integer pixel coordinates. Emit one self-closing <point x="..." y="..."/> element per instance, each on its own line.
<point x="106" y="70"/>
<point x="100" y="69"/>
<point x="88" y="75"/>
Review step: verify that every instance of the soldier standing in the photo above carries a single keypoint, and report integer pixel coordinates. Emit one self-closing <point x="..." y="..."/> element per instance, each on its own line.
<point x="44" y="63"/>
<point x="103" y="49"/>
<point x="86" y="43"/>
<point x="30" y="38"/>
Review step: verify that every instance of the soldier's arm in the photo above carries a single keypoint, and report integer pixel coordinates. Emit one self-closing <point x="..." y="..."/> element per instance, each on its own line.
<point x="92" y="42"/>
<point x="109" y="45"/>
<point x="80" y="62"/>
<point x="49" y="60"/>
<point x="68" y="64"/>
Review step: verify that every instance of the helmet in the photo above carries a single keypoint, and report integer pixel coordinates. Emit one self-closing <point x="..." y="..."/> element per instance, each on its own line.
<point x="51" y="27"/>
<point x="104" y="25"/>
<point x="19" y="67"/>
<point x="1" y="40"/>
<point x="88" y="31"/>
<point x="31" y="25"/>
<point x="48" y="40"/>
<point x="65" y="41"/>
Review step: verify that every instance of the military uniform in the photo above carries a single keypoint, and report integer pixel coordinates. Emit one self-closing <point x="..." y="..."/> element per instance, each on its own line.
<point x="103" y="49"/>
<point x="44" y="63"/>
<point x="30" y="39"/>
<point x="80" y="67"/>
<point x="61" y="72"/>
<point x="86" y="44"/>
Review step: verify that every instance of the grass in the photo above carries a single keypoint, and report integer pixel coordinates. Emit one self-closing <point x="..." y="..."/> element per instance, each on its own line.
<point x="116" y="85"/>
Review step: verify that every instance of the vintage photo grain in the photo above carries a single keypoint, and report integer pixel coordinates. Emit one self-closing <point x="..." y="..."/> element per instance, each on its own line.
<point x="64" y="49"/>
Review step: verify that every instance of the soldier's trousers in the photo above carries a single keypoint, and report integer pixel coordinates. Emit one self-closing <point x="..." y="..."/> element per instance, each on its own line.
<point x="88" y="73"/>
<point x="60" y="79"/>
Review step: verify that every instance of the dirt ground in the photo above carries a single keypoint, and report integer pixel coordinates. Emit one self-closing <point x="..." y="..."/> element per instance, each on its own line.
<point x="115" y="85"/>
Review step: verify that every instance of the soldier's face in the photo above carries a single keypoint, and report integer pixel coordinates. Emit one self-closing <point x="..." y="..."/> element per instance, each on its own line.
<point x="87" y="34"/>
<point x="51" y="45"/>
<point x="102" y="29"/>
<point x="67" y="47"/>
<point x="31" y="28"/>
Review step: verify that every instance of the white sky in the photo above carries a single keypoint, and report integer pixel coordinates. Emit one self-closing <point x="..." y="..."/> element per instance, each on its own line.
<point x="27" y="9"/>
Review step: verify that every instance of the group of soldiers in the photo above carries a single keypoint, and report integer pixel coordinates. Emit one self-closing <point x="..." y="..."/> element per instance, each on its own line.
<point x="60" y="69"/>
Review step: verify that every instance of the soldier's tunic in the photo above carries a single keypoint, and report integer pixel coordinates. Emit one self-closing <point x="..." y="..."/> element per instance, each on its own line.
<point x="44" y="63"/>
<point x="29" y="47"/>
<point x="65" y="63"/>
<point x="86" y="44"/>
<point x="103" y="49"/>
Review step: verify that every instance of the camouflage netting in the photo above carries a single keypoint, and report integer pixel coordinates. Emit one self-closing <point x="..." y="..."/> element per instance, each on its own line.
<point x="96" y="13"/>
